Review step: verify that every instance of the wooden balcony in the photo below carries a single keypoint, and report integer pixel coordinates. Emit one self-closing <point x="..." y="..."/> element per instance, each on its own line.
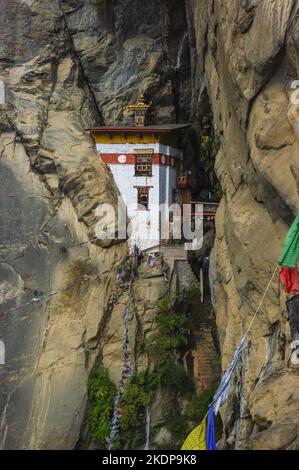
<point x="209" y="210"/>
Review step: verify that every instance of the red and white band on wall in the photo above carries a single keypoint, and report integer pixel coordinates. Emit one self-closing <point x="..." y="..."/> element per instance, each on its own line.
<point x="129" y="159"/>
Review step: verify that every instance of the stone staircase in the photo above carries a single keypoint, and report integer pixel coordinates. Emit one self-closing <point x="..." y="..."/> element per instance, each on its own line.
<point x="181" y="275"/>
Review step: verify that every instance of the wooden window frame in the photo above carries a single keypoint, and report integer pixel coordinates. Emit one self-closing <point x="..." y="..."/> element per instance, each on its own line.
<point x="146" y="190"/>
<point x="147" y="156"/>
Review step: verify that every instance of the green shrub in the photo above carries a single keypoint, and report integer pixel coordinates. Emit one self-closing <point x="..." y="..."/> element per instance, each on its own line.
<point x="176" y="421"/>
<point x="206" y="142"/>
<point x="171" y="335"/>
<point x="163" y="304"/>
<point x="134" y="402"/>
<point x="177" y="425"/>
<point x="173" y="378"/>
<point x="198" y="405"/>
<point x="100" y="392"/>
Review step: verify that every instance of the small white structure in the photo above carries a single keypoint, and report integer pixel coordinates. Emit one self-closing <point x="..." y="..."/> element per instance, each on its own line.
<point x="144" y="161"/>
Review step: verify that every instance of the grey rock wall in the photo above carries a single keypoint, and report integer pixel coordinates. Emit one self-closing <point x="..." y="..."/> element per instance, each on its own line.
<point x="248" y="53"/>
<point x="67" y="65"/>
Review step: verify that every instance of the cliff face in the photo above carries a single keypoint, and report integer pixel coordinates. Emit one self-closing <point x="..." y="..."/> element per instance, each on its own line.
<point x="66" y="66"/>
<point x="51" y="181"/>
<point x="74" y="63"/>
<point x="248" y="54"/>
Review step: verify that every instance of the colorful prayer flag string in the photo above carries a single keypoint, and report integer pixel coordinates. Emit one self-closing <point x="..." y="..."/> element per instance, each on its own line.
<point x="127" y="369"/>
<point x="126" y="372"/>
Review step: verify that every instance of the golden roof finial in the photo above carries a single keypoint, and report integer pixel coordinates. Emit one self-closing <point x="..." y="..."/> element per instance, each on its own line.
<point x="140" y="109"/>
<point x="140" y="105"/>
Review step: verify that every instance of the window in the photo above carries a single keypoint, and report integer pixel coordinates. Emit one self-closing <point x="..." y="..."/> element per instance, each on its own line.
<point x="143" y="165"/>
<point x="143" y="196"/>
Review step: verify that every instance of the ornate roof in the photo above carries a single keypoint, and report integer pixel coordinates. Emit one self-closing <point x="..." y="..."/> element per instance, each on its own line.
<point x="159" y="129"/>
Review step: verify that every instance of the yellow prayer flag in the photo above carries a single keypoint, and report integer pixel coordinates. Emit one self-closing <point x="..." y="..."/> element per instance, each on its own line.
<point x="197" y="438"/>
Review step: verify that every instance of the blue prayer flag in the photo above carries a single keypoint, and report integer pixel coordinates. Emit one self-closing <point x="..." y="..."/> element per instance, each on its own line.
<point x="210" y="437"/>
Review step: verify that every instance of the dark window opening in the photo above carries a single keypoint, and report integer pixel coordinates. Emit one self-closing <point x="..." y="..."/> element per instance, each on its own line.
<point x="143" y="196"/>
<point x="143" y="165"/>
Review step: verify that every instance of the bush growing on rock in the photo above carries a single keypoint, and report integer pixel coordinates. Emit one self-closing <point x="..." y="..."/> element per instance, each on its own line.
<point x="100" y="392"/>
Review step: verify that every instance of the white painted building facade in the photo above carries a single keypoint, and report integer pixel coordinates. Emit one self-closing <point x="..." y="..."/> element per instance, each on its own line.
<point x="161" y="184"/>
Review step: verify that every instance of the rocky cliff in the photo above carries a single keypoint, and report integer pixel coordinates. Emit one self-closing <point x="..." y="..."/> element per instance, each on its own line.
<point x="248" y="54"/>
<point x="69" y="64"/>
<point x="66" y="66"/>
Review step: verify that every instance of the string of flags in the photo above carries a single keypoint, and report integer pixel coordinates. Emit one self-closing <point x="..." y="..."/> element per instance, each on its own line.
<point x="222" y="392"/>
<point x="288" y="259"/>
<point x="288" y="273"/>
<point x="203" y="436"/>
<point x="125" y="273"/>
<point x="127" y="368"/>
<point x="151" y="261"/>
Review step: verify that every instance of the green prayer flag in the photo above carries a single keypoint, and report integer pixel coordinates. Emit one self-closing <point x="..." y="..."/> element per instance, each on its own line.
<point x="290" y="250"/>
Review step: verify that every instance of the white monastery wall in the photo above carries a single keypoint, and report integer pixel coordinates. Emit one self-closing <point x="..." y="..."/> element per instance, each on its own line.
<point x="145" y="224"/>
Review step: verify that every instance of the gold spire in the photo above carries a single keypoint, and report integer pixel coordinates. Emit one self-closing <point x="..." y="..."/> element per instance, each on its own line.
<point x="140" y="110"/>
